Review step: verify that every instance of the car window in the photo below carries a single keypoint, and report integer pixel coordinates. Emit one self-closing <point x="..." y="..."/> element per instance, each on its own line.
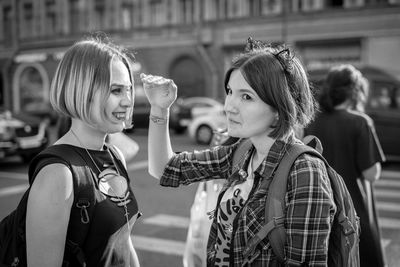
<point x="384" y="96"/>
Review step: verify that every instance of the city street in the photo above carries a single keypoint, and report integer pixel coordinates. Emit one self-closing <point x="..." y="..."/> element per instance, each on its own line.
<point x="160" y="234"/>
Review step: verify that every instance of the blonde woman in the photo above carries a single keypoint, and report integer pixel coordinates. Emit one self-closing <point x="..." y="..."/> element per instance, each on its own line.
<point x="93" y="85"/>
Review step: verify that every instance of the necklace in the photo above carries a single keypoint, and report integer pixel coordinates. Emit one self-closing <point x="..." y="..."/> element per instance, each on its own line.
<point x="105" y="176"/>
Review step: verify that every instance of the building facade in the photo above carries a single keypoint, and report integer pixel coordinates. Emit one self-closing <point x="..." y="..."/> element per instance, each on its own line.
<point x="190" y="41"/>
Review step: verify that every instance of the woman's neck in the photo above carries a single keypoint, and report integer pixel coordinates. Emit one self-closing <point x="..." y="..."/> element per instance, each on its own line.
<point x="86" y="136"/>
<point x="262" y="148"/>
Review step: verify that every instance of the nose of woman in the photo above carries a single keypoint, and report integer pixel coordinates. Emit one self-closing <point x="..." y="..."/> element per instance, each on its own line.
<point x="230" y="106"/>
<point x="126" y="100"/>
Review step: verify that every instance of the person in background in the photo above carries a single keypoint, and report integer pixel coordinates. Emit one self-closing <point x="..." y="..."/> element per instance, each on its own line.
<point x="352" y="148"/>
<point x="93" y="86"/>
<point x="267" y="94"/>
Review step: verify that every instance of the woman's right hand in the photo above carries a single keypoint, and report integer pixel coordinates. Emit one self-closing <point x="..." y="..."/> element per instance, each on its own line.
<point x="160" y="92"/>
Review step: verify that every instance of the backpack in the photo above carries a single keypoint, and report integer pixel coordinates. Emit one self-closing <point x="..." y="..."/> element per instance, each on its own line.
<point x="12" y="227"/>
<point x="343" y="247"/>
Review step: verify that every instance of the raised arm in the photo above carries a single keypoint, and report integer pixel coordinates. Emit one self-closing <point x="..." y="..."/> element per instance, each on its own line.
<point x="161" y="93"/>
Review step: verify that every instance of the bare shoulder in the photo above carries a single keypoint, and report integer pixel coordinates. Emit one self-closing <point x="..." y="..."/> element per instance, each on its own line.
<point x="54" y="181"/>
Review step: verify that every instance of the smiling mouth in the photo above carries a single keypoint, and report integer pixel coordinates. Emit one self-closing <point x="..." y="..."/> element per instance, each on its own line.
<point x="120" y="115"/>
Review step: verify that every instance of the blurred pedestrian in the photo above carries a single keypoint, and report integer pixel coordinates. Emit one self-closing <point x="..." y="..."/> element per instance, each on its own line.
<point x="267" y="94"/>
<point x="351" y="146"/>
<point x="93" y="86"/>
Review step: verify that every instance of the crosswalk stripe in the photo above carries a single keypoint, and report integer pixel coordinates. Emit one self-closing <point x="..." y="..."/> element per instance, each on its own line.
<point x="388" y="183"/>
<point x="14" y="175"/>
<point x="389" y="223"/>
<point x="390" y="174"/>
<point x="167" y="220"/>
<point x="388" y="206"/>
<point x="137" y="165"/>
<point x="159" y="245"/>
<point x="11" y="190"/>
<point x="387" y="193"/>
<point x="385" y="242"/>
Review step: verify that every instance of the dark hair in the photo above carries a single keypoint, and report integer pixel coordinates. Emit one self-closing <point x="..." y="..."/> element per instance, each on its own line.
<point x="279" y="79"/>
<point x="344" y="82"/>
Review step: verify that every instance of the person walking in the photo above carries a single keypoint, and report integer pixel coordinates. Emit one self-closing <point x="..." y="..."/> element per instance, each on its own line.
<point x="267" y="94"/>
<point x="93" y="86"/>
<point x="352" y="148"/>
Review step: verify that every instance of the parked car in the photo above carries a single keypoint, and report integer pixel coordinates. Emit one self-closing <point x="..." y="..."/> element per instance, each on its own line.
<point x="202" y="128"/>
<point x="383" y="106"/>
<point x="22" y="135"/>
<point x="185" y="109"/>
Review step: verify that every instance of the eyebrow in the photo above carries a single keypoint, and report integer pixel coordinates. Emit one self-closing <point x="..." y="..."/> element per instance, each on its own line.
<point x="241" y="90"/>
<point x="121" y="85"/>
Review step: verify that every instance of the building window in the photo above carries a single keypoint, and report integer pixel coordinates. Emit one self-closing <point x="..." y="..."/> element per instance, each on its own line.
<point x="77" y="15"/>
<point x="189" y="76"/>
<point x="335" y="3"/>
<point x="50" y="17"/>
<point x="221" y="8"/>
<point x="127" y="15"/>
<point x="7" y="25"/>
<point x="186" y="11"/>
<point x="137" y="15"/>
<point x="157" y="14"/>
<point x="255" y="7"/>
<point x="99" y="14"/>
<point x="31" y="89"/>
<point x="26" y="30"/>
<point x="271" y="7"/>
<point x="309" y="5"/>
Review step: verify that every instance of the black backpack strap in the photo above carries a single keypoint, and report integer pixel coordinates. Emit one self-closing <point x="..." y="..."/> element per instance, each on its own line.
<point x="84" y="197"/>
<point x="275" y="205"/>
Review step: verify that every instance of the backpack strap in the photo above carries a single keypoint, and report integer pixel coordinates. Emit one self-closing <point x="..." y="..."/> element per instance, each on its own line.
<point x="84" y="196"/>
<point x="275" y="205"/>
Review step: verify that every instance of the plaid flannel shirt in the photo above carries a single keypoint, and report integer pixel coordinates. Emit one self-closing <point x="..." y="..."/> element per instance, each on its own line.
<point x="309" y="211"/>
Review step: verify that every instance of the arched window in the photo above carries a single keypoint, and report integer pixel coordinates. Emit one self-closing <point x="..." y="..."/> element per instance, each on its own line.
<point x="188" y="75"/>
<point x="31" y="89"/>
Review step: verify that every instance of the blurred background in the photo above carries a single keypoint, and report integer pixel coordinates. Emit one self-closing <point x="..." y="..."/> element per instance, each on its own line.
<point x="191" y="42"/>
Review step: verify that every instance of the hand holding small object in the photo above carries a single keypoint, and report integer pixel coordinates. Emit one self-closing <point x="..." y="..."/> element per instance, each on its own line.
<point x="160" y="92"/>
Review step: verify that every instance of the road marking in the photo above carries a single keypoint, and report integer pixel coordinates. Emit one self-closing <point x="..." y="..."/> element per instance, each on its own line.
<point x="388" y="183"/>
<point x="389" y="223"/>
<point x="11" y="190"/>
<point x="137" y="165"/>
<point x="390" y="174"/>
<point x="385" y="242"/>
<point x="168" y="221"/>
<point x="14" y="175"/>
<point x="387" y="193"/>
<point x="388" y="206"/>
<point x="159" y="245"/>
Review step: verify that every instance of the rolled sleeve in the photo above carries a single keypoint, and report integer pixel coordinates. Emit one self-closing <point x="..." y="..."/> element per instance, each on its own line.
<point x="188" y="167"/>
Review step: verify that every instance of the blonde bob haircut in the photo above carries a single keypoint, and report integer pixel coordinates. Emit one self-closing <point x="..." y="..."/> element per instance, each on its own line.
<point x="84" y="69"/>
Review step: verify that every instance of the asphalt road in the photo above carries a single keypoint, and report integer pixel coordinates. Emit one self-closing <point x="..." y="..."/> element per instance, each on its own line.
<point x="160" y="234"/>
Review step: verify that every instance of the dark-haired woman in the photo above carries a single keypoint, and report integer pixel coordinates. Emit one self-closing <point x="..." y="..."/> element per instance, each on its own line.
<point x="267" y="95"/>
<point x="352" y="148"/>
